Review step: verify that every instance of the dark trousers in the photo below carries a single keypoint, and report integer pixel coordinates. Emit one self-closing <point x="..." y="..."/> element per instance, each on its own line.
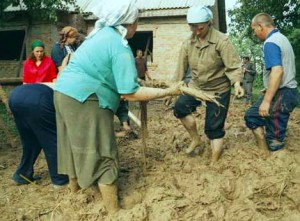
<point x="248" y="85"/>
<point x="283" y="103"/>
<point x="215" y="115"/>
<point x="122" y="112"/>
<point x="33" y="109"/>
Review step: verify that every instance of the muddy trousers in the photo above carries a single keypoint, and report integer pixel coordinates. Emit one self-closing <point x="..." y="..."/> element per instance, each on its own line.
<point x="33" y="110"/>
<point x="283" y="103"/>
<point x="215" y="116"/>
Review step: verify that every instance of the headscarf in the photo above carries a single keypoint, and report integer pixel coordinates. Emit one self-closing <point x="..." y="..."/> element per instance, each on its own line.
<point x="69" y="32"/>
<point x="199" y="14"/>
<point x="115" y="13"/>
<point x="65" y="33"/>
<point x="37" y="43"/>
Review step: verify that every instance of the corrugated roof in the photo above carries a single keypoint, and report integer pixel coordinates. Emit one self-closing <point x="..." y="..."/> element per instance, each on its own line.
<point x="169" y="4"/>
<point x="86" y="5"/>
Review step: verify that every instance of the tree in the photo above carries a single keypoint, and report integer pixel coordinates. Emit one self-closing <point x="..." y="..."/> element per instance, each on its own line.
<point x="40" y="9"/>
<point x="286" y="15"/>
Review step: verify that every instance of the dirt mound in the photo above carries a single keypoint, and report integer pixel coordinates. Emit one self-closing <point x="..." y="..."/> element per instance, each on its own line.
<point x="242" y="186"/>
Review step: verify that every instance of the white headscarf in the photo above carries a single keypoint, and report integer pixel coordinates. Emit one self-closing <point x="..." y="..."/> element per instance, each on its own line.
<point x="114" y="13"/>
<point x="199" y="14"/>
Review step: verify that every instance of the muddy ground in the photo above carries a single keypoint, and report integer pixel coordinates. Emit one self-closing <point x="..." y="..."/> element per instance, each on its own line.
<point x="242" y="186"/>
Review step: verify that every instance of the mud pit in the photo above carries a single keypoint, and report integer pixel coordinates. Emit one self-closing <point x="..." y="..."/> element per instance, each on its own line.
<point x="242" y="186"/>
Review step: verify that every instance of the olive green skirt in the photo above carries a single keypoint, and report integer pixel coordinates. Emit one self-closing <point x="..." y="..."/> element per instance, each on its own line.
<point x="86" y="142"/>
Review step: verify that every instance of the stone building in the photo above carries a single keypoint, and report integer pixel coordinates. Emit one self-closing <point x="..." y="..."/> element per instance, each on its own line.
<point x="161" y="30"/>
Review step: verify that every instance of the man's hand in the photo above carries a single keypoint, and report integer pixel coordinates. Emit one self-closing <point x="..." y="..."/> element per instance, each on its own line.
<point x="264" y="109"/>
<point x="175" y="88"/>
<point x="239" y="91"/>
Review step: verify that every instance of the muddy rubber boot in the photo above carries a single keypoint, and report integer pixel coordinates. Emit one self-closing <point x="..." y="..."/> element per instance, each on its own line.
<point x="73" y="185"/>
<point x="216" y="150"/>
<point x="110" y="197"/>
<point x="259" y="135"/>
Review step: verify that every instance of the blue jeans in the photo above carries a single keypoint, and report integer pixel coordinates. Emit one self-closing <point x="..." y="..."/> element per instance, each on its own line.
<point x="215" y="115"/>
<point x="33" y="109"/>
<point x="122" y="112"/>
<point x="283" y="103"/>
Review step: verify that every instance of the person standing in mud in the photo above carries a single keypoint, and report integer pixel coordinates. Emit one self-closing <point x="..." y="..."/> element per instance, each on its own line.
<point x="268" y="117"/>
<point x="87" y="95"/>
<point x="215" y="67"/>
<point x="141" y="66"/>
<point x="248" y="79"/>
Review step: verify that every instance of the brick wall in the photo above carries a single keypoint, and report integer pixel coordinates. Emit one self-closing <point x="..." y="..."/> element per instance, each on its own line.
<point x="41" y="32"/>
<point x="8" y="69"/>
<point x="168" y="36"/>
<point x="46" y="32"/>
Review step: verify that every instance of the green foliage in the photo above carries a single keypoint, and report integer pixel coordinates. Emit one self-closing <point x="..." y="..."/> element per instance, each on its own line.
<point x="41" y="9"/>
<point x="286" y="16"/>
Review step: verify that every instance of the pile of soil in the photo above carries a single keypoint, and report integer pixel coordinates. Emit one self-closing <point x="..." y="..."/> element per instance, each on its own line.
<point x="244" y="185"/>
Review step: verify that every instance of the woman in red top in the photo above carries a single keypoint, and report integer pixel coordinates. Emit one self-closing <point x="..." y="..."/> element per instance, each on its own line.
<point x="39" y="67"/>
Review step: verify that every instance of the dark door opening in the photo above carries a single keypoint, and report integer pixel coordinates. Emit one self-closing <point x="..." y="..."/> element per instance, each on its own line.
<point x="142" y="41"/>
<point x="11" y="44"/>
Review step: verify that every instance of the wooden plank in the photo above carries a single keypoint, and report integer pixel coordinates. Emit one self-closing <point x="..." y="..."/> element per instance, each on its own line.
<point x="11" y="81"/>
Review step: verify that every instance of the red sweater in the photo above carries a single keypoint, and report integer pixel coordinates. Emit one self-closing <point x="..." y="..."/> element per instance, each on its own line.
<point x="45" y="72"/>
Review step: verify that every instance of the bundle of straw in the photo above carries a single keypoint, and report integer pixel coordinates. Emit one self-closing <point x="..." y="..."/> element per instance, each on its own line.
<point x="196" y="93"/>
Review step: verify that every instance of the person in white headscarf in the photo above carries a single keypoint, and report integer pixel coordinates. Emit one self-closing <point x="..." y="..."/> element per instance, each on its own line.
<point x="215" y="67"/>
<point x="87" y="95"/>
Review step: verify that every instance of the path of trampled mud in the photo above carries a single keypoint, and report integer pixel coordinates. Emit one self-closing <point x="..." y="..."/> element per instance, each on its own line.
<point x="242" y="186"/>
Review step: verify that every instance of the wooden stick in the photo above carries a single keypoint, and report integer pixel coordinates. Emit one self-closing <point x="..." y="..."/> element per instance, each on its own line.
<point x="144" y="132"/>
<point x="134" y="119"/>
<point x="11" y="81"/>
<point x="29" y="181"/>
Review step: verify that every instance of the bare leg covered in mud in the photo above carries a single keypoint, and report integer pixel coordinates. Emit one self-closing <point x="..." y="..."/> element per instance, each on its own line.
<point x="190" y="125"/>
<point x="216" y="150"/>
<point x="259" y="134"/>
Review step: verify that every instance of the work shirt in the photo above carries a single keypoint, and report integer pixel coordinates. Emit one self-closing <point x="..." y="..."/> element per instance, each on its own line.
<point x="102" y="65"/>
<point x="279" y="52"/>
<point x="58" y="54"/>
<point x="141" y="66"/>
<point x="214" y="64"/>
<point x="249" y="75"/>
<point x="45" y="72"/>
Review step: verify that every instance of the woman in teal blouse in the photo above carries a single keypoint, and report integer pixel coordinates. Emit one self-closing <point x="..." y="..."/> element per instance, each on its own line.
<point x="87" y="95"/>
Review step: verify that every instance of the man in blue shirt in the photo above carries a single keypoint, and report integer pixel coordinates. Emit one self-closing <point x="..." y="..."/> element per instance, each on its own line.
<point x="268" y="117"/>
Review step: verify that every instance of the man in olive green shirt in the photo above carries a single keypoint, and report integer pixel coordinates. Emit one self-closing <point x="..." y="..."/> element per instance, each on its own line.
<point x="215" y="67"/>
<point x="248" y="79"/>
